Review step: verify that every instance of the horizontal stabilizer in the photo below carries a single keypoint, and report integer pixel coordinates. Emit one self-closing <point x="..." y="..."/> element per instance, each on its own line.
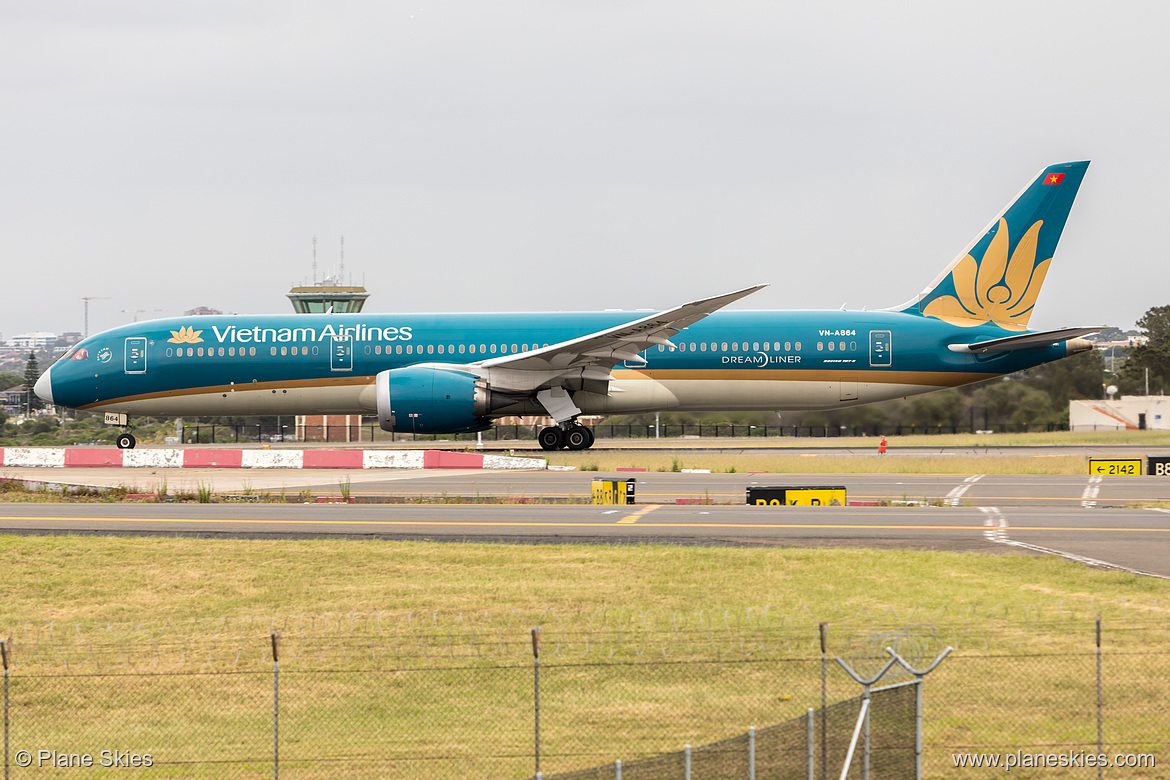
<point x="1023" y="341"/>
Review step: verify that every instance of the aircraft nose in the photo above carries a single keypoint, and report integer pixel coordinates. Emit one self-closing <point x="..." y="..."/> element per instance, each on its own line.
<point x="44" y="387"/>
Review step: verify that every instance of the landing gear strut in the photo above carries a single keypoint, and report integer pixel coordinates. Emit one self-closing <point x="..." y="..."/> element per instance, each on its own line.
<point x="571" y="435"/>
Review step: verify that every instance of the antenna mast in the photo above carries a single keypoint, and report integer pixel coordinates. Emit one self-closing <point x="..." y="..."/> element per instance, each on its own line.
<point x="341" y="270"/>
<point x="314" y="259"/>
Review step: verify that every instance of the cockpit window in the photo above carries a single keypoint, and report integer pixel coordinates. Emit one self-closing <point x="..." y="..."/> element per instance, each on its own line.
<point x="80" y="354"/>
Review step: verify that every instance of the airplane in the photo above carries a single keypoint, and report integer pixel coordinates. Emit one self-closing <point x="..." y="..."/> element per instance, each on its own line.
<point x="453" y="373"/>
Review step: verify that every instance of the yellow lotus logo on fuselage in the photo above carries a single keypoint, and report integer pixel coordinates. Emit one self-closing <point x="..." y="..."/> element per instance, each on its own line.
<point x="995" y="289"/>
<point x="186" y="335"/>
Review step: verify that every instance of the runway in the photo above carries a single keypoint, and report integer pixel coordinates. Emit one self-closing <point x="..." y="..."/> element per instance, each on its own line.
<point x="1121" y="523"/>
<point x="1095" y="520"/>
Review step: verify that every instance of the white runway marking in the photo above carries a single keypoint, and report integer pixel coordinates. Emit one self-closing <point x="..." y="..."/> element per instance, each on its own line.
<point x="957" y="492"/>
<point x="997" y="528"/>
<point x="1089" y="497"/>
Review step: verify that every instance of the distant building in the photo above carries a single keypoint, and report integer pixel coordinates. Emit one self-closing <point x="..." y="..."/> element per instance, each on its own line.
<point x="33" y="340"/>
<point x="13" y="399"/>
<point x="327" y="299"/>
<point x="1128" y="413"/>
<point x="201" y="311"/>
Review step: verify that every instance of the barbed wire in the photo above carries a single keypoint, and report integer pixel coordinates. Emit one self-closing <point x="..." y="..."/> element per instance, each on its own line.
<point x="410" y="638"/>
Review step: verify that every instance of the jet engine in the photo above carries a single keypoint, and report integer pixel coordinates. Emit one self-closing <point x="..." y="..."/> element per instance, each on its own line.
<point x="432" y="399"/>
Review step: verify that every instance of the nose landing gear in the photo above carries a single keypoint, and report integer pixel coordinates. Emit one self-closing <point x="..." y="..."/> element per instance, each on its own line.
<point x="125" y="440"/>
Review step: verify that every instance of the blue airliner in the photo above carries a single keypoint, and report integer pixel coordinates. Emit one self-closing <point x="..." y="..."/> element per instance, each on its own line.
<point x="448" y="373"/>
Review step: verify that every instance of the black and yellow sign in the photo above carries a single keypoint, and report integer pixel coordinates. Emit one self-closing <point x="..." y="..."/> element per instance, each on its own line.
<point x="797" y="496"/>
<point x="1114" y="466"/>
<point x="1158" y="466"/>
<point x="613" y="491"/>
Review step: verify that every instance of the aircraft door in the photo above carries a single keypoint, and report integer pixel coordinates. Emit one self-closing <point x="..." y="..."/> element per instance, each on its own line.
<point x="135" y="355"/>
<point x="880" y="348"/>
<point x="341" y="353"/>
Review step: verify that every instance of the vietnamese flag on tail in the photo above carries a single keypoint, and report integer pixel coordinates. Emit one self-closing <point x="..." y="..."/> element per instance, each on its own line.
<point x="1054" y="178"/>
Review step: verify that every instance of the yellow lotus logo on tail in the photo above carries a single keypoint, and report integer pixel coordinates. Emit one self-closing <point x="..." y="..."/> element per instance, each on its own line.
<point x="995" y="289"/>
<point x="185" y="335"/>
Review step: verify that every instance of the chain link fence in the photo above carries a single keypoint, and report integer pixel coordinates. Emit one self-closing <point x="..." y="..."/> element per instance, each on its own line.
<point x="236" y="433"/>
<point x="404" y="695"/>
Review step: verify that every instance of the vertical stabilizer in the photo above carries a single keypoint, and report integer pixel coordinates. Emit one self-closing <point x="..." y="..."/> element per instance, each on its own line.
<point x="998" y="277"/>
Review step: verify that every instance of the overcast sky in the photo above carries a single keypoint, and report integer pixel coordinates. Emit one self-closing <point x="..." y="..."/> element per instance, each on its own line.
<point x="488" y="156"/>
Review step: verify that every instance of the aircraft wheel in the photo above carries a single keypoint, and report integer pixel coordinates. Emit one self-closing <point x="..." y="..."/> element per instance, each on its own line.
<point x="551" y="438"/>
<point x="578" y="437"/>
<point x="126" y="441"/>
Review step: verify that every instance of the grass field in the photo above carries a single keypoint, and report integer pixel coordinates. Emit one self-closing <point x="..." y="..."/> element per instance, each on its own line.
<point x="646" y="647"/>
<point x="747" y="462"/>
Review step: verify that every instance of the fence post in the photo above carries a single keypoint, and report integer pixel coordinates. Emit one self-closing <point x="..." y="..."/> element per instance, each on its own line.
<point x="4" y="653"/>
<point x="276" y="705"/>
<point x="687" y="764"/>
<point x="1100" y="703"/>
<point x="617" y="769"/>
<point x="536" y="689"/>
<point x="824" y="701"/>
<point x="751" y="753"/>
<point x="811" y="742"/>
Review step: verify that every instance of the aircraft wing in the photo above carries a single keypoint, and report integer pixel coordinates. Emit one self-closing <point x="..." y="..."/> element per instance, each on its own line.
<point x="591" y="357"/>
<point x="1023" y="341"/>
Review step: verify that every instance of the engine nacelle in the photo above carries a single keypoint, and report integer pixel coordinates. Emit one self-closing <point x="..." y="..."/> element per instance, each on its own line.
<point x="431" y="399"/>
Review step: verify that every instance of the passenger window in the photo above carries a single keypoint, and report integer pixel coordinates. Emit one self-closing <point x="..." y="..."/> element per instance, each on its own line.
<point x="820" y="346"/>
<point x="798" y="346"/>
<point x="830" y="346"/>
<point x="842" y="346"/>
<point x="252" y="351"/>
<point x="703" y="347"/>
<point x="725" y="346"/>
<point x="756" y="345"/>
<point x="787" y="346"/>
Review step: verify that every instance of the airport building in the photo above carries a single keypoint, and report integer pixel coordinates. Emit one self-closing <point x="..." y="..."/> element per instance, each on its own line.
<point x="329" y="296"/>
<point x="1128" y="413"/>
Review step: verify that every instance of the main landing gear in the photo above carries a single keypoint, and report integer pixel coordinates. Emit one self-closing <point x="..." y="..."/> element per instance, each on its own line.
<point x="570" y="435"/>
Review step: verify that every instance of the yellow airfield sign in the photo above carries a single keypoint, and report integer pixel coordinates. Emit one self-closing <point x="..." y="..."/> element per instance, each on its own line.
<point x="1114" y="466"/>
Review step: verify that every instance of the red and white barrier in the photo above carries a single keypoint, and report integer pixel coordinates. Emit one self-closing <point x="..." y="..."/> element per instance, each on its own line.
<point x="94" y="457"/>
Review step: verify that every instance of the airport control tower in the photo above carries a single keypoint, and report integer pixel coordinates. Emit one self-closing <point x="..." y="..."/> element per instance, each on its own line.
<point x="330" y="295"/>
